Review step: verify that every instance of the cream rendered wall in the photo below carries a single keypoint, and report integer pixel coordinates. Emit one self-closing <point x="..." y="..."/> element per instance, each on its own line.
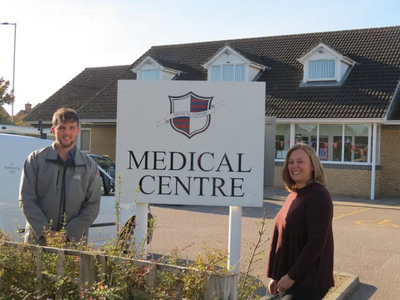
<point x="252" y="73"/>
<point x="343" y="68"/>
<point x="150" y="66"/>
<point x="167" y="75"/>
<point x="322" y="56"/>
<point x="233" y="60"/>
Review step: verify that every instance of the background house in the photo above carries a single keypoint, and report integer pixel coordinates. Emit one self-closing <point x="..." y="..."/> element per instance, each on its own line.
<point x="22" y="113"/>
<point x="4" y="116"/>
<point x="337" y="91"/>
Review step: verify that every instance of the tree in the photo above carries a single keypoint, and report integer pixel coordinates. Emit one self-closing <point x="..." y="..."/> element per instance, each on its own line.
<point x="4" y="119"/>
<point x="5" y="97"/>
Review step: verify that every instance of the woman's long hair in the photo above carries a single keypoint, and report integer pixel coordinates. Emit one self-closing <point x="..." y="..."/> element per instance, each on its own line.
<point x="317" y="175"/>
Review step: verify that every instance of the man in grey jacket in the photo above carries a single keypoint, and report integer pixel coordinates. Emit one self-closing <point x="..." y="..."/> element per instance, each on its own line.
<point x="60" y="185"/>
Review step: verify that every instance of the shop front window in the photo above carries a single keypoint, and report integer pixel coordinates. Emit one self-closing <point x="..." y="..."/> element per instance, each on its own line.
<point x="282" y="140"/>
<point x="332" y="142"/>
<point x="322" y="148"/>
<point x="356" y="143"/>
<point x="305" y="134"/>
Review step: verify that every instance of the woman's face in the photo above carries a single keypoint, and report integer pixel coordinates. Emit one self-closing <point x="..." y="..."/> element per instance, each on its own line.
<point x="300" y="167"/>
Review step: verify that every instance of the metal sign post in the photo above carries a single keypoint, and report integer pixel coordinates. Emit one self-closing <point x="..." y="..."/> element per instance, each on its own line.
<point x="141" y="229"/>
<point x="235" y="238"/>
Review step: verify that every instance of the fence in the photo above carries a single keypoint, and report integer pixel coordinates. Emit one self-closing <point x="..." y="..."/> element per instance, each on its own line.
<point x="221" y="284"/>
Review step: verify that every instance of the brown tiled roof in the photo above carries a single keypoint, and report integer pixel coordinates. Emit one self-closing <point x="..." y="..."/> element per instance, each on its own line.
<point x="170" y="64"/>
<point x="22" y="113"/>
<point x="366" y="93"/>
<point x="93" y="94"/>
<point x="250" y="56"/>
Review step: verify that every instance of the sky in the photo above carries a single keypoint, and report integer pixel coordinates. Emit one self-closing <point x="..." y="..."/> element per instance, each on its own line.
<point x="58" y="39"/>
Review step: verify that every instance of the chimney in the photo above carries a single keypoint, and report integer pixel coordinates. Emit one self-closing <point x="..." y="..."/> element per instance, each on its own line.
<point x="28" y="107"/>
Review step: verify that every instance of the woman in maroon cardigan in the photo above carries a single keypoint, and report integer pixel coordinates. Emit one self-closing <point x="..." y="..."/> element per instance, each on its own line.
<point x="301" y="257"/>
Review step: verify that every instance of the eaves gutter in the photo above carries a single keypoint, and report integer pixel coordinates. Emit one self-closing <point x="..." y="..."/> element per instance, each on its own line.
<point x="330" y="121"/>
<point x="91" y="121"/>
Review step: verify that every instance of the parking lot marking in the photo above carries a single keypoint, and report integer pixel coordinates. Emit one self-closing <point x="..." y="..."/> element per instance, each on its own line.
<point x="387" y="223"/>
<point x="352" y="213"/>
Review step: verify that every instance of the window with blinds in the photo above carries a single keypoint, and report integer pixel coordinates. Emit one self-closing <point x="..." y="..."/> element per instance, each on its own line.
<point x="322" y="69"/>
<point x="150" y="75"/>
<point x="227" y="73"/>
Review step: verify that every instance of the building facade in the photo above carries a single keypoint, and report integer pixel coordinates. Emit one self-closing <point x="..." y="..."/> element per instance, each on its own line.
<point x="339" y="92"/>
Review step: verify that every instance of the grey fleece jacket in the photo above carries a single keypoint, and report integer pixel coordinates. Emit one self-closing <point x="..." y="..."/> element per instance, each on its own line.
<point x="48" y="189"/>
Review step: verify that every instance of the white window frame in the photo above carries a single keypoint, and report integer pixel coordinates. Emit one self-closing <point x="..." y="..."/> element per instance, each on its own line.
<point x="322" y="78"/>
<point x="327" y="53"/>
<point x="156" y="69"/>
<point x="234" y="71"/>
<point x="90" y="140"/>
<point x="368" y="162"/>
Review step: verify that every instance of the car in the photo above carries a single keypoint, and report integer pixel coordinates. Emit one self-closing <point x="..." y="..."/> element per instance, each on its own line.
<point x="108" y="176"/>
<point x="13" y="152"/>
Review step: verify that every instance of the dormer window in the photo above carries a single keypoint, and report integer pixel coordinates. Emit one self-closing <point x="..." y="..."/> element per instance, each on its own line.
<point x="227" y="73"/>
<point x="229" y="64"/>
<point x="322" y="70"/>
<point x="149" y="75"/>
<point x="325" y="64"/>
<point x="156" y="68"/>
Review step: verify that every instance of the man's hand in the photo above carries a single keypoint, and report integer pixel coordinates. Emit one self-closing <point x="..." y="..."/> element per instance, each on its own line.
<point x="285" y="283"/>
<point x="272" y="289"/>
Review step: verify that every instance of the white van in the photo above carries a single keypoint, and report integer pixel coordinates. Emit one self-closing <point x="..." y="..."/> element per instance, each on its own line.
<point x="14" y="149"/>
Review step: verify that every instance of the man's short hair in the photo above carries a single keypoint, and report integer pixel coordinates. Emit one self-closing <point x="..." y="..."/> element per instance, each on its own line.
<point x="65" y="115"/>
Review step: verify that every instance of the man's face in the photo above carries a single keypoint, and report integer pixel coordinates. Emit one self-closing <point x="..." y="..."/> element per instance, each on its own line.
<point x="66" y="134"/>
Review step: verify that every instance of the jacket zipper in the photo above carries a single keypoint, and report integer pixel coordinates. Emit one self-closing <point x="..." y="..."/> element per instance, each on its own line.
<point x="58" y="177"/>
<point x="63" y="190"/>
<point x="62" y="202"/>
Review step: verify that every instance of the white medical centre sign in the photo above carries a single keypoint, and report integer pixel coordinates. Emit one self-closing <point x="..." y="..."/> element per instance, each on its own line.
<point x="191" y="142"/>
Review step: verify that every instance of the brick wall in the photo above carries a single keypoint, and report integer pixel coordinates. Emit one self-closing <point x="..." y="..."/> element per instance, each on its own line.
<point x="390" y="160"/>
<point x="355" y="183"/>
<point x="278" y="182"/>
<point x="343" y="182"/>
<point x="103" y="140"/>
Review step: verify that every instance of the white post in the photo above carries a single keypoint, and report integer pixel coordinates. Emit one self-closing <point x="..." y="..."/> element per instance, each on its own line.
<point x="343" y="141"/>
<point x="317" y="140"/>
<point x="141" y="229"/>
<point x="292" y="134"/>
<point x="373" y="173"/>
<point x="235" y="237"/>
<point x="369" y="143"/>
